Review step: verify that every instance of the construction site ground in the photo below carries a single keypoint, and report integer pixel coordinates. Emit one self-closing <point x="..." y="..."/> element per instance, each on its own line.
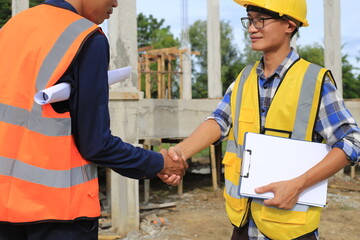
<point x="199" y="213"/>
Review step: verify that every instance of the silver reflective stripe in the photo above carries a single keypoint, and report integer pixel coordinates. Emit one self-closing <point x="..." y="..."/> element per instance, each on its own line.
<point x="59" y="49"/>
<point x="232" y="189"/>
<point x="305" y="102"/>
<point x="245" y="74"/>
<point x="13" y="115"/>
<point x="297" y="207"/>
<point x="48" y="126"/>
<point x="34" y="121"/>
<point x="46" y="177"/>
<point x="232" y="147"/>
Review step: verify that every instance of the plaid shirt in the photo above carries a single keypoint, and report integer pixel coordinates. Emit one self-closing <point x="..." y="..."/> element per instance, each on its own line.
<point x="334" y="122"/>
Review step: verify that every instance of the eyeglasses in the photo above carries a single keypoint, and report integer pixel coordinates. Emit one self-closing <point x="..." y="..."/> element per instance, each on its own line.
<point x="258" y="22"/>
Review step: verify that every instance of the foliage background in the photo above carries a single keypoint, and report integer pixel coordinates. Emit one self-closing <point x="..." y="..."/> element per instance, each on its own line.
<point x="153" y="32"/>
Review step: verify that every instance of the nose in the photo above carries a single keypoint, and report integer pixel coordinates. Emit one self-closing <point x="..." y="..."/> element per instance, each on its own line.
<point x="115" y="4"/>
<point x="252" y="28"/>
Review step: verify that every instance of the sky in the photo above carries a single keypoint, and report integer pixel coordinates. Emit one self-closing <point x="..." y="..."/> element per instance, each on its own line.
<point x="231" y="12"/>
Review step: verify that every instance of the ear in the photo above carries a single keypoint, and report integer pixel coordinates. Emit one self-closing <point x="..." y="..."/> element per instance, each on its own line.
<point x="291" y="26"/>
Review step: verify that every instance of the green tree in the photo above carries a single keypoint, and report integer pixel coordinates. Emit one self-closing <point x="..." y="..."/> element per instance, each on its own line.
<point x="312" y="53"/>
<point x="152" y="32"/>
<point x="351" y="84"/>
<point x="5" y="9"/>
<point x="231" y="63"/>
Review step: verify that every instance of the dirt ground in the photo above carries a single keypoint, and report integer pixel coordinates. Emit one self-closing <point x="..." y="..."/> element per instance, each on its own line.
<point x="200" y="215"/>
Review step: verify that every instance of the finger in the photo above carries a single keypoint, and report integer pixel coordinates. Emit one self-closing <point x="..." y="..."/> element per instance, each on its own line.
<point x="171" y="180"/>
<point x="264" y="189"/>
<point x="162" y="176"/>
<point x="176" y="181"/>
<point x="269" y="202"/>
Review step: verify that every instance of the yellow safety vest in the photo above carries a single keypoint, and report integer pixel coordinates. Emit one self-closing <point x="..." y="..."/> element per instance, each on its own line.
<point x="292" y="114"/>
<point x="42" y="174"/>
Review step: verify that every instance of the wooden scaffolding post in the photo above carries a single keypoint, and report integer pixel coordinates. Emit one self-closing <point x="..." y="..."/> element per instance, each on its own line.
<point x="163" y="87"/>
<point x="169" y="78"/>
<point x="147" y="77"/>
<point x="159" y="77"/>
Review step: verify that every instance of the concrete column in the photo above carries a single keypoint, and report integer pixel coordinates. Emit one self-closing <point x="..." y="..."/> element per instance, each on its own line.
<point x="18" y="6"/>
<point x="186" y="56"/>
<point x="186" y="69"/>
<point x="332" y="44"/>
<point x="122" y="32"/>
<point x="214" y="49"/>
<point x="332" y="41"/>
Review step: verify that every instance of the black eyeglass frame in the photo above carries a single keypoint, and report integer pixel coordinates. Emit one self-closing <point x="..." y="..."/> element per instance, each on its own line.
<point x="246" y="22"/>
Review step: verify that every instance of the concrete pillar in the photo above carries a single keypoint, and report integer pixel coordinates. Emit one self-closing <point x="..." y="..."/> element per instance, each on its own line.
<point x="332" y="41"/>
<point x="122" y="32"/>
<point x="332" y="44"/>
<point x="186" y="92"/>
<point x="186" y="69"/>
<point x="214" y="49"/>
<point x="18" y="6"/>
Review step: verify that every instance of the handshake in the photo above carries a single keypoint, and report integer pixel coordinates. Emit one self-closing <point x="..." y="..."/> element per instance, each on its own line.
<point x="175" y="166"/>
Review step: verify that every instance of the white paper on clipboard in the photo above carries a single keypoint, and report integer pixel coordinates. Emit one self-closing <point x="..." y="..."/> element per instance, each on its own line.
<point x="268" y="159"/>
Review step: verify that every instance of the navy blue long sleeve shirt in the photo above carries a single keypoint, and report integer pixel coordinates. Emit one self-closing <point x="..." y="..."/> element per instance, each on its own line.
<point x="90" y="118"/>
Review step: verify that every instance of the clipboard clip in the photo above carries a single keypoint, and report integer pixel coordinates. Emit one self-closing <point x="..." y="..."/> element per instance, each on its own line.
<point x="246" y="163"/>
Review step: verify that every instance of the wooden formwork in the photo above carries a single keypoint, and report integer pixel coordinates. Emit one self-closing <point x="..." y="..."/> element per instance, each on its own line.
<point x="160" y="67"/>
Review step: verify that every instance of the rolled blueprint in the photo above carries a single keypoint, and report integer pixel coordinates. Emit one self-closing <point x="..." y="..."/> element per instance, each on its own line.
<point x="61" y="91"/>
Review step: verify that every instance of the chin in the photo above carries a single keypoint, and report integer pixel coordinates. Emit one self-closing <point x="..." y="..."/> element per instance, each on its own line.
<point x="256" y="48"/>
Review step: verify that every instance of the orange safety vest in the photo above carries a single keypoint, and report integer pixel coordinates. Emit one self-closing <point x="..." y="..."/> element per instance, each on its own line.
<point x="42" y="174"/>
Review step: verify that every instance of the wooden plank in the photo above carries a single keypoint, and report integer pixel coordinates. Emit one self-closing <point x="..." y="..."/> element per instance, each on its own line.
<point x="110" y="237"/>
<point x="213" y="167"/>
<point x="124" y="96"/>
<point x="147" y="78"/>
<point x="356" y="189"/>
<point x="163" y="50"/>
<point x="159" y="78"/>
<point x="155" y="206"/>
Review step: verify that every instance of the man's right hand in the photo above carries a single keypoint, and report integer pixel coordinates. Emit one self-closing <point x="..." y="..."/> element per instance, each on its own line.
<point x="174" y="169"/>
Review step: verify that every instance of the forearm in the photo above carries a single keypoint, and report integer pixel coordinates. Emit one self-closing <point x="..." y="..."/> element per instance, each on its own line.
<point x="207" y="133"/>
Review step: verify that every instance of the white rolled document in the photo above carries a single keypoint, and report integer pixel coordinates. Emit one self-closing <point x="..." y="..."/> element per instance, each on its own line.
<point x="61" y="91"/>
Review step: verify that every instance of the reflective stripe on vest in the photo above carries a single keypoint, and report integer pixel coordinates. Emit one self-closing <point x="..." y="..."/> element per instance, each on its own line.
<point x="46" y="177"/>
<point x="33" y="120"/>
<point x="303" y="124"/>
<point x="42" y="174"/>
<point x="303" y="110"/>
<point x="59" y="49"/>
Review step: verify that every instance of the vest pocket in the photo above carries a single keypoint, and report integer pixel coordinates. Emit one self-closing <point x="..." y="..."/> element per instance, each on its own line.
<point x="232" y="173"/>
<point x="283" y="216"/>
<point x="247" y="115"/>
<point x="232" y="167"/>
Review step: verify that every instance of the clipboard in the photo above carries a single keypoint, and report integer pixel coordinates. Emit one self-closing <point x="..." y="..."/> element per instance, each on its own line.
<point x="268" y="159"/>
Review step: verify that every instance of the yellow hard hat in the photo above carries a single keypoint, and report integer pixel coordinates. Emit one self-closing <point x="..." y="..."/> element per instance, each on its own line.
<point x="293" y="8"/>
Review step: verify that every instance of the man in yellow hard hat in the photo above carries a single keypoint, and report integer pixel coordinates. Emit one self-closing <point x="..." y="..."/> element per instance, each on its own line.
<point x="281" y="95"/>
